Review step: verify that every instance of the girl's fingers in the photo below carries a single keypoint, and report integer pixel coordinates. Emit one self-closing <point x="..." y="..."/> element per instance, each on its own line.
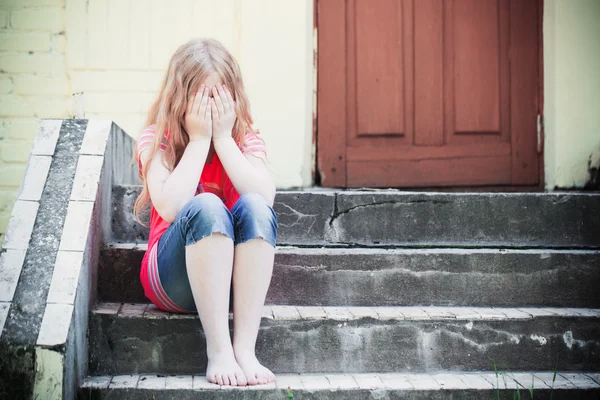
<point x="214" y="109"/>
<point x="223" y="97"/>
<point x="208" y="113"/>
<point x="199" y="98"/>
<point x="218" y="101"/>
<point x="229" y="98"/>
<point x="203" y="102"/>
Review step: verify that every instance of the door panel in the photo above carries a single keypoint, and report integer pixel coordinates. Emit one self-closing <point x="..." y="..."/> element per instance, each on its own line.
<point x="422" y="93"/>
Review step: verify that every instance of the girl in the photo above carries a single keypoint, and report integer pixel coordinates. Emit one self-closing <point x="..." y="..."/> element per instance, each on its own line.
<point x="211" y="219"/>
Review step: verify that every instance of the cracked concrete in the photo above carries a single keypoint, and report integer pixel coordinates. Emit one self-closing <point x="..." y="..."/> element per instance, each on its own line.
<point x="127" y="345"/>
<point x="369" y="277"/>
<point x="358" y="218"/>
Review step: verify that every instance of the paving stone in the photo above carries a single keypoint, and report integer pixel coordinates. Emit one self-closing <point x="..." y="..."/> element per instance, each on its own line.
<point x="154" y="382"/>
<point x="423" y="382"/>
<point x="35" y="178"/>
<point x="107" y="308"/>
<point x="285" y="312"/>
<point x="464" y="313"/>
<point x="20" y="225"/>
<point x="11" y="264"/>
<point x="87" y="178"/>
<point x="363" y="312"/>
<point x="77" y="226"/>
<point x="439" y="312"/>
<point x="312" y="312"/>
<point x="338" y="313"/>
<point x="527" y="379"/>
<point x="124" y="382"/>
<point x="153" y="312"/>
<point x="265" y="386"/>
<point x="65" y="277"/>
<point x="390" y="313"/>
<point x="285" y="382"/>
<point x="595" y="376"/>
<point x="474" y="381"/>
<point x="396" y="381"/>
<point x="490" y="313"/>
<point x="580" y="380"/>
<point x="132" y="310"/>
<point x="96" y="382"/>
<point x="267" y="312"/>
<point x="315" y="382"/>
<point x="416" y="313"/>
<point x="96" y="136"/>
<point x="535" y="311"/>
<point x="46" y="137"/>
<point x="179" y="382"/>
<point x="449" y="381"/>
<point x="342" y="382"/>
<point x="55" y="325"/>
<point x="557" y="382"/>
<point x="512" y="313"/>
<point x="368" y="381"/>
<point x="199" y="382"/>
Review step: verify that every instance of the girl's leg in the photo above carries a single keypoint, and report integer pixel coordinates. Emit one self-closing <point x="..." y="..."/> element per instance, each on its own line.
<point x="255" y="230"/>
<point x="195" y="258"/>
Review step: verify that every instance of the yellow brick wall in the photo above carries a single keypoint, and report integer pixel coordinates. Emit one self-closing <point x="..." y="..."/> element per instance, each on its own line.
<point x="33" y="84"/>
<point x="111" y="56"/>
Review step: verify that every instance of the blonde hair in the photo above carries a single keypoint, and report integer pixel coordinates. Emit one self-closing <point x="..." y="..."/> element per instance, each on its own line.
<point x="190" y="65"/>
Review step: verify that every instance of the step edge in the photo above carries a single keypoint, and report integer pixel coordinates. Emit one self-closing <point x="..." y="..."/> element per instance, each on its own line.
<point x="294" y="249"/>
<point x="348" y="313"/>
<point x="438" y="380"/>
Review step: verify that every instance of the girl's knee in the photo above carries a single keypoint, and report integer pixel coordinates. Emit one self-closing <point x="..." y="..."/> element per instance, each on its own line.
<point x="206" y="207"/>
<point x="254" y="206"/>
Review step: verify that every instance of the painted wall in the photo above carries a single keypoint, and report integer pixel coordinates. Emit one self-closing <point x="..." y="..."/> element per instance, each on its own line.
<point x="572" y="91"/>
<point x="106" y="58"/>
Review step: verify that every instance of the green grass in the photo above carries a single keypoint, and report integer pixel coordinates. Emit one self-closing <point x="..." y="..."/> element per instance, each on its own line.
<point x="517" y="393"/>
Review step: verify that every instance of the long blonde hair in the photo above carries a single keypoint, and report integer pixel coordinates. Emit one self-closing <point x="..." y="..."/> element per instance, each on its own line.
<point x="190" y="65"/>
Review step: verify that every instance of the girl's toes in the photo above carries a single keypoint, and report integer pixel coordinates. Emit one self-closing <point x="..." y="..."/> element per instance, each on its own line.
<point x="220" y="380"/>
<point x="262" y="378"/>
<point x="211" y="379"/>
<point x="232" y="380"/>
<point x="252" y="379"/>
<point x="241" y="379"/>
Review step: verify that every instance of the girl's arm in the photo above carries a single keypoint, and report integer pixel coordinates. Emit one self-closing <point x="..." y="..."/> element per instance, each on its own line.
<point x="170" y="191"/>
<point x="247" y="173"/>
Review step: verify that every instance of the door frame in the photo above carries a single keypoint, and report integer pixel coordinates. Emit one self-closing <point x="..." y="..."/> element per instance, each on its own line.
<point x="337" y="161"/>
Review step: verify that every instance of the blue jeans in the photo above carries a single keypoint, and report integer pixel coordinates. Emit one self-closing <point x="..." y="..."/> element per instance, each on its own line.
<point x="250" y="218"/>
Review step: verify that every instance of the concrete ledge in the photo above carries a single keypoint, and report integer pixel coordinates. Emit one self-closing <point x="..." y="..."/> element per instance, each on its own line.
<point x="396" y="218"/>
<point x="48" y="266"/>
<point x="134" y="339"/>
<point x="394" y="277"/>
<point x="451" y="384"/>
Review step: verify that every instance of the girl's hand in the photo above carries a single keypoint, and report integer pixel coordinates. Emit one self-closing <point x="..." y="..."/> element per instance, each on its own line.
<point x="198" y="117"/>
<point x="223" y="112"/>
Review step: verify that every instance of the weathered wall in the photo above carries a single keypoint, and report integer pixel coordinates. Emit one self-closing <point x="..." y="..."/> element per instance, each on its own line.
<point x="33" y="84"/>
<point x="572" y="91"/>
<point x="115" y="53"/>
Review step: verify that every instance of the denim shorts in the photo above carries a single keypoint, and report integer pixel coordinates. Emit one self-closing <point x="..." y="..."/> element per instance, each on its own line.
<point x="251" y="217"/>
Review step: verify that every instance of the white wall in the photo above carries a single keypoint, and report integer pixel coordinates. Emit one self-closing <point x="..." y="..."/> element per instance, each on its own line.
<point x="117" y="51"/>
<point x="571" y="91"/>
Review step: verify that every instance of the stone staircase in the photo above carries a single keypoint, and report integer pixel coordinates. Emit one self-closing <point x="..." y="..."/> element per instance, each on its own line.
<point x="380" y="294"/>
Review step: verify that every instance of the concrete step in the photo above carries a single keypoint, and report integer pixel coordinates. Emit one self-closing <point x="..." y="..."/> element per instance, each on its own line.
<point x="394" y="277"/>
<point x="396" y="218"/>
<point x="137" y="338"/>
<point x="442" y="385"/>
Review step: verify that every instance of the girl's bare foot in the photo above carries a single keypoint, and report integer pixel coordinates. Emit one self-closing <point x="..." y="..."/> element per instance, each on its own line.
<point x="224" y="370"/>
<point x="256" y="373"/>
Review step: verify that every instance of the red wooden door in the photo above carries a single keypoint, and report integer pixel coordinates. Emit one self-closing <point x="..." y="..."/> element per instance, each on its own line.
<point x="427" y="92"/>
